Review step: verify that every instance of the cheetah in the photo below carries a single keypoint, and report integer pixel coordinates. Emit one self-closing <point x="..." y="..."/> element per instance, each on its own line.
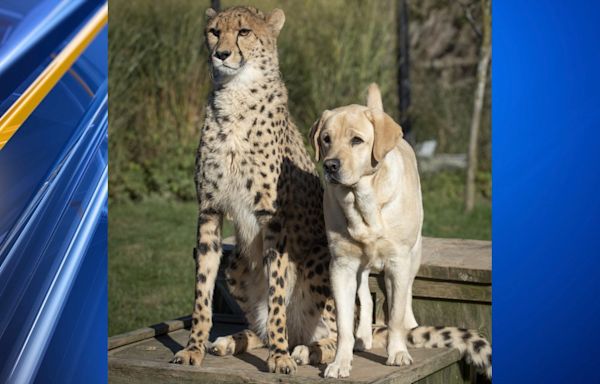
<point x="252" y="165"/>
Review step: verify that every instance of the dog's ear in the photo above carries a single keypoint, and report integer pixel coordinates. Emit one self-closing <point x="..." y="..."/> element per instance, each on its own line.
<point x="210" y="13"/>
<point x="275" y="20"/>
<point x="374" y="97"/>
<point x="387" y="133"/>
<point x="314" y="134"/>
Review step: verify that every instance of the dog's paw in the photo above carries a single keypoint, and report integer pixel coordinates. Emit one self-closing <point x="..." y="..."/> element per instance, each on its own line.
<point x="282" y="364"/>
<point x="399" y="358"/>
<point x="301" y="355"/>
<point x="338" y="370"/>
<point x="189" y="356"/>
<point x="222" y="346"/>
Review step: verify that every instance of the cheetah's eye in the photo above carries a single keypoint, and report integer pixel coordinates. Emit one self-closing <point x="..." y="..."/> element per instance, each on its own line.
<point x="215" y="32"/>
<point x="244" y="32"/>
<point x="356" y="140"/>
<point x="326" y="139"/>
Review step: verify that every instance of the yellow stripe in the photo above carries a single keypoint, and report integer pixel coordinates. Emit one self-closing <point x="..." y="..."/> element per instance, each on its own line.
<point x="43" y="84"/>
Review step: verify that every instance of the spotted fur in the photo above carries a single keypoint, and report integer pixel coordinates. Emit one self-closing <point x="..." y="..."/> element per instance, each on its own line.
<point x="252" y="165"/>
<point x="475" y="348"/>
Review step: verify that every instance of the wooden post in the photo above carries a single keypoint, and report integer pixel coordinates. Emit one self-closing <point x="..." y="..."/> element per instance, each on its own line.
<point x="403" y="58"/>
<point x="482" y="68"/>
<point x="216" y="5"/>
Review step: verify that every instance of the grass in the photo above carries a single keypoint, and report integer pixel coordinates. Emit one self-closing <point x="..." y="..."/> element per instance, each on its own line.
<point x="151" y="271"/>
<point x="443" y="195"/>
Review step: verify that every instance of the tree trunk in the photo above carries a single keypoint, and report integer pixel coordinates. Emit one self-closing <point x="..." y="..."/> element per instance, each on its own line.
<point x="403" y="59"/>
<point x="216" y="5"/>
<point x="482" y="69"/>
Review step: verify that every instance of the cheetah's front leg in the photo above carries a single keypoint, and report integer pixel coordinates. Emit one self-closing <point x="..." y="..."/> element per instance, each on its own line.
<point x="207" y="255"/>
<point x="276" y="261"/>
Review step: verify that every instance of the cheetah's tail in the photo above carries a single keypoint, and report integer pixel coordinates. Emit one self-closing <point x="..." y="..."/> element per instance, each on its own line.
<point x="473" y="347"/>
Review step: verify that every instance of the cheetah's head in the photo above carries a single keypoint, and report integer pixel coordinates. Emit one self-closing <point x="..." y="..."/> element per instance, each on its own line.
<point x="242" y="41"/>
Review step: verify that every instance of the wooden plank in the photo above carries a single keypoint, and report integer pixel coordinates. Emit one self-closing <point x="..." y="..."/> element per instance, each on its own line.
<point x="418" y="370"/>
<point x="147" y="361"/>
<point x="431" y="311"/>
<point x="149" y="372"/>
<point x="457" y="259"/>
<point x="166" y="327"/>
<point x="439" y="289"/>
<point x="148" y="332"/>
<point x="458" y="373"/>
<point x="452" y="291"/>
<point x="123" y="371"/>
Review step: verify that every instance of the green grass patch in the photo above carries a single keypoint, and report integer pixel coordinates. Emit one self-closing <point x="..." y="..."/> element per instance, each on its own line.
<point x="151" y="270"/>
<point x="443" y="199"/>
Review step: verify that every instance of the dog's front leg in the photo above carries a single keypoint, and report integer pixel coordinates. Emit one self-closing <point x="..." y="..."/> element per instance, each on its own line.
<point x="276" y="261"/>
<point x="344" y="272"/>
<point x="397" y="278"/>
<point x="364" y="331"/>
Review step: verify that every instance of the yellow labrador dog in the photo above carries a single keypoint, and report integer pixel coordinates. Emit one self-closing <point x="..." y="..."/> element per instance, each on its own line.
<point x="374" y="216"/>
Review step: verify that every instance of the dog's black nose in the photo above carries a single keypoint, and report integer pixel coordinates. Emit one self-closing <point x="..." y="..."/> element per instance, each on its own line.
<point x="222" y="55"/>
<point x="331" y="165"/>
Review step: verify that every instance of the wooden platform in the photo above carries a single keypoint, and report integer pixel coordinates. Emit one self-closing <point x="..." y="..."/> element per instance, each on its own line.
<point x="146" y="361"/>
<point x="453" y="287"/>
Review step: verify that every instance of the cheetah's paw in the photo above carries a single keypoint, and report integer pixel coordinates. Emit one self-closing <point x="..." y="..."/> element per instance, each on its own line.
<point x="282" y="364"/>
<point x="301" y="355"/>
<point x="222" y="346"/>
<point x="189" y="356"/>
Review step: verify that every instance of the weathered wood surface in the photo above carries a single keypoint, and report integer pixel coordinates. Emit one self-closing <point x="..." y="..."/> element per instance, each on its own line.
<point x="453" y="287"/>
<point x="166" y="327"/>
<point x="147" y="361"/>
<point x="440" y="289"/>
<point x="457" y="259"/>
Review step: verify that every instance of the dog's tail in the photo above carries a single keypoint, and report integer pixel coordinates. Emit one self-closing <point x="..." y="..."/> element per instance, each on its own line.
<point x="473" y="347"/>
<point x="374" y="97"/>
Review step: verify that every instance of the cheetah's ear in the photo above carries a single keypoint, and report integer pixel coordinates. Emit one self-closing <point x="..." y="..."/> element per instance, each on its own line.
<point x="210" y="13"/>
<point x="275" y="20"/>
<point x="315" y="132"/>
<point x="386" y="131"/>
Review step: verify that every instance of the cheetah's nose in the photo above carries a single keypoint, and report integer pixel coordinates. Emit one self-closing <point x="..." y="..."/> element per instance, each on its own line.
<point x="331" y="165"/>
<point x="222" y="55"/>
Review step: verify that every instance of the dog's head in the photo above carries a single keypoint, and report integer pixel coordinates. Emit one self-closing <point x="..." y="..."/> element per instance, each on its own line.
<point x="241" y="40"/>
<point x="354" y="139"/>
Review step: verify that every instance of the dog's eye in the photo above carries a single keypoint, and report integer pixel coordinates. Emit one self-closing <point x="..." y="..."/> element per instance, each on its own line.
<point x="326" y="139"/>
<point x="356" y="140"/>
<point x="215" y="32"/>
<point x="244" y="32"/>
